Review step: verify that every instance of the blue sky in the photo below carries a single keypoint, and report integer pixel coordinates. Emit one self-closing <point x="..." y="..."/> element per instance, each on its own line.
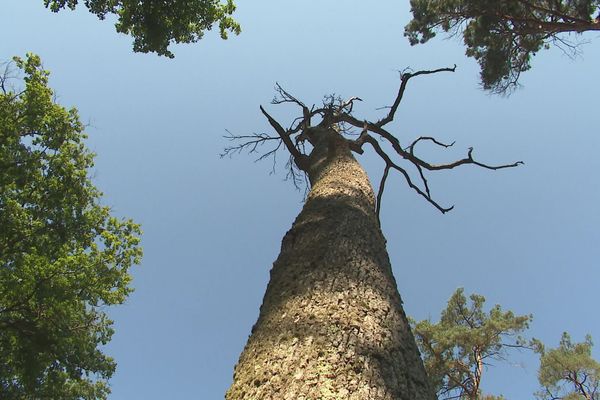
<point x="526" y="238"/>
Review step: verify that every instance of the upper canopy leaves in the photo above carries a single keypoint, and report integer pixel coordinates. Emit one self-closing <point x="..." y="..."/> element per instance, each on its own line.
<point x="155" y="24"/>
<point x="456" y="349"/>
<point x="569" y="371"/>
<point x="63" y="257"/>
<point x="503" y="35"/>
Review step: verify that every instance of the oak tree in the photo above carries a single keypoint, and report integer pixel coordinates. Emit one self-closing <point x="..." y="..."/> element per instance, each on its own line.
<point x="63" y="256"/>
<point x="155" y="24"/>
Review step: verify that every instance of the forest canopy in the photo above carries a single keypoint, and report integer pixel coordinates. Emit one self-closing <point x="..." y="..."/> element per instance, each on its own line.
<point x="63" y="256"/>
<point x="154" y="25"/>
<point x="503" y="36"/>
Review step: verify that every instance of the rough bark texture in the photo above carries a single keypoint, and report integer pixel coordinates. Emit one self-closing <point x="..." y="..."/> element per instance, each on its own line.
<point x="331" y="325"/>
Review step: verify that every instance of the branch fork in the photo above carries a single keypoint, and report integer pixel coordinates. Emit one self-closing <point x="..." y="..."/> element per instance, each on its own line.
<point x="338" y="113"/>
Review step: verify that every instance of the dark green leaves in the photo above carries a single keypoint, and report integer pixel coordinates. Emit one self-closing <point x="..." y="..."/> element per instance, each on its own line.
<point x="155" y="24"/>
<point x="503" y="35"/>
<point x="63" y="257"/>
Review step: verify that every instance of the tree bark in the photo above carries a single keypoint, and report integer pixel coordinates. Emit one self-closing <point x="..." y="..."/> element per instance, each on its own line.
<point x="331" y="325"/>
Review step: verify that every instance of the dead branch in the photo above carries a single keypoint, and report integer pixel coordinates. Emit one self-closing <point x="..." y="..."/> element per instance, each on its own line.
<point x="296" y="175"/>
<point x="285" y="97"/>
<point x="338" y="112"/>
<point x="390" y="164"/>
<point x="249" y="143"/>
<point x="409" y="155"/>
<point x="299" y="158"/>
<point x="404" y="78"/>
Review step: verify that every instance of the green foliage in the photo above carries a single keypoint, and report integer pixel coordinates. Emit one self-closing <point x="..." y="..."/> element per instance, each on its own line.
<point x="458" y="348"/>
<point x="569" y="372"/>
<point x="63" y="257"/>
<point x="503" y="35"/>
<point x="155" y="24"/>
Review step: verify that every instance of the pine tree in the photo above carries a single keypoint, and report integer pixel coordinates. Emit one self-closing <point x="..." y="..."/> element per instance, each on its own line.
<point x="569" y="372"/>
<point x="503" y="35"/>
<point x="331" y="324"/>
<point x="457" y="349"/>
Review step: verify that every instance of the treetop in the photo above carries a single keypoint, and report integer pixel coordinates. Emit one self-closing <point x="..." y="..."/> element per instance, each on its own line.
<point x="154" y="25"/>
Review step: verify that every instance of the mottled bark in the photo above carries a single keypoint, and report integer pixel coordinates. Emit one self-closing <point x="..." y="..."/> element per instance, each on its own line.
<point x="331" y="325"/>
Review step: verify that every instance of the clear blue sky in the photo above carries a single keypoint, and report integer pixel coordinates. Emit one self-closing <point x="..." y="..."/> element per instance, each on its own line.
<point x="526" y="238"/>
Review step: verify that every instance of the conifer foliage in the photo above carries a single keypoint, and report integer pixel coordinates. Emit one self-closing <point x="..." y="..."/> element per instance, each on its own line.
<point x="457" y="349"/>
<point x="503" y="35"/>
<point x="569" y="372"/>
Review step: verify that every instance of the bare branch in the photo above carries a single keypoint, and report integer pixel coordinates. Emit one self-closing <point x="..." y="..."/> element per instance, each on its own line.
<point x="296" y="175"/>
<point x="424" y="180"/>
<point x="391" y="164"/>
<point x="250" y="143"/>
<point x="386" y="170"/>
<point x="288" y="98"/>
<point x="404" y="78"/>
<point x="285" y="136"/>
<point x="346" y="106"/>
<point x="416" y="160"/>
<point x="412" y="146"/>
<point x="336" y="113"/>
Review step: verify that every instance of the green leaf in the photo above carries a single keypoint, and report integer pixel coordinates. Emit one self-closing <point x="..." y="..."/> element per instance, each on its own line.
<point x="63" y="257"/>
<point x="155" y="25"/>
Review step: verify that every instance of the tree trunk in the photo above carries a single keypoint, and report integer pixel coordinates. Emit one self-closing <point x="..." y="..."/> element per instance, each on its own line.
<point x="331" y="325"/>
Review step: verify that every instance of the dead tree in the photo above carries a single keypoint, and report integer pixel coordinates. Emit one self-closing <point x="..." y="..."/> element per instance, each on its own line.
<point x="331" y="325"/>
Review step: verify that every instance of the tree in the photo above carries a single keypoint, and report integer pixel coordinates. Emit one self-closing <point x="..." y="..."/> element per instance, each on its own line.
<point x="331" y="324"/>
<point x="457" y="349"/>
<point x="569" y="372"/>
<point x="155" y="24"/>
<point x="503" y="35"/>
<point x="63" y="257"/>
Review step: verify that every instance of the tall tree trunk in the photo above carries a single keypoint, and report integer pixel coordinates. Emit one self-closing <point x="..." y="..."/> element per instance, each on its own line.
<point x="331" y="325"/>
